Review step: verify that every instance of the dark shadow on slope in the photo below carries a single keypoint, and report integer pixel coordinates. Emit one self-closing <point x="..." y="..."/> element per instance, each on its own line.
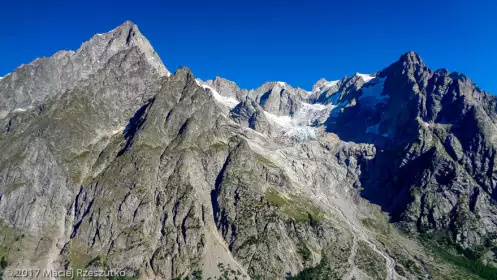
<point x="219" y="215"/>
<point x="134" y="125"/>
<point x="389" y="186"/>
<point x="264" y="98"/>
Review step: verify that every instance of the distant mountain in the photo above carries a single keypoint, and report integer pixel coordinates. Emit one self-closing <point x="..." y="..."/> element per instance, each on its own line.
<point x="111" y="163"/>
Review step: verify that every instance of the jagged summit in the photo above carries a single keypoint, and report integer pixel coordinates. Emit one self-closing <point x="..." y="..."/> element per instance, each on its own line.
<point x="34" y="83"/>
<point x="411" y="57"/>
<point x="409" y="63"/>
<point x="103" y="158"/>
<point x="125" y="36"/>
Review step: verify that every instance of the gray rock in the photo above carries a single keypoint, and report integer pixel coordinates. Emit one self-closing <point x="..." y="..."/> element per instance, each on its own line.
<point x="33" y="84"/>
<point x="120" y="165"/>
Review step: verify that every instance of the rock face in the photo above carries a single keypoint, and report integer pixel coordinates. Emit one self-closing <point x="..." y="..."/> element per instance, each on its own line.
<point x="109" y="162"/>
<point x="279" y="98"/>
<point x="34" y="84"/>
<point x="435" y="129"/>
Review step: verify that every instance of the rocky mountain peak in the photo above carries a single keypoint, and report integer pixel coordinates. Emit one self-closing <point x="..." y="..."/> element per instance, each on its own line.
<point x="411" y="58"/>
<point x="33" y="84"/>
<point x="103" y="158"/>
<point x="409" y="64"/>
<point x="123" y="37"/>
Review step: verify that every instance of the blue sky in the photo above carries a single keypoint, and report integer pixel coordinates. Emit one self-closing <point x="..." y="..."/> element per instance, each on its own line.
<point x="251" y="42"/>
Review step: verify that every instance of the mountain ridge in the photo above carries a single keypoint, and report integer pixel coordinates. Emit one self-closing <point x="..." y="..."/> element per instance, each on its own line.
<point x="125" y="166"/>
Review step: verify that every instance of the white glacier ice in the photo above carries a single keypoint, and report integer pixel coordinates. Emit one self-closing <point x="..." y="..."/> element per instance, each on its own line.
<point x="365" y="77"/>
<point x="375" y="129"/>
<point x="300" y="125"/>
<point x="372" y="93"/>
<point x="227" y="101"/>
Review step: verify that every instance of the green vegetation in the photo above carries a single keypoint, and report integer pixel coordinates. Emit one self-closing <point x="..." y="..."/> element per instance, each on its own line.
<point x="77" y="258"/>
<point x="12" y="161"/>
<point x="9" y="188"/>
<point x="274" y="198"/>
<point x="3" y="266"/>
<point x="370" y="262"/>
<point x="218" y="146"/>
<point x="405" y="262"/>
<point x="305" y="252"/>
<point x="124" y="278"/>
<point x="7" y="237"/>
<point x="227" y="273"/>
<point x="466" y="258"/>
<point x="265" y="161"/>
<point x="321" y="271"/>
<point x="379" y="225"/>
<point x="295" y="207"/>
<point x="3" y="262"/>
<point x="197" y="274"/>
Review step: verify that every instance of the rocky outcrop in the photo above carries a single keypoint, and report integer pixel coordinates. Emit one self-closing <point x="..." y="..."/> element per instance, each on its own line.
<point x="249" y="114"/>
<point x="110" y="162"/>
<point x="279" y="98"/>
<point x="435" y="171"/>
<point x="227" y="88"/>
<point x="34" y="84"/>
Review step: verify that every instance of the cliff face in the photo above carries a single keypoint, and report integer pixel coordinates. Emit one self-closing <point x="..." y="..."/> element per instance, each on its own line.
<point x="436" y="135"/>
<point x="110" y="162"/>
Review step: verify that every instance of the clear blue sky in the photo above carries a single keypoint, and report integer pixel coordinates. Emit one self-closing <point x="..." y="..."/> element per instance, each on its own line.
<point x="250" y="42"/>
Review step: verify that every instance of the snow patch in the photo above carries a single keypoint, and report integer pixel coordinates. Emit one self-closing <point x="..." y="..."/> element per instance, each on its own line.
<point x="325" y="86"/>
<point x="283" y="121"/>
<point x="309" y="113"/>
<point x="375" y="129"/>
<point x="329" y="84"/>
<point x="302" y="133"/>
<point x="119" y="130"/>
<point x="372" y="93"/>
<point x="336" y="109"/>
<point x="300" y="125"/>
<point x="365" y="77"/>
<point x="3" y="114"/>
<point x="227" y="101"/>
<point x="333" y="98"/>
<point x="5" y="76"/>
<point x="291" y="128"/>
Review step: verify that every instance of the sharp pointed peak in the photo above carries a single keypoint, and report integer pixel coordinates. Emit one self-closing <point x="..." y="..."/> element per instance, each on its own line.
<point x="125" y="36"/>
<point x="365" y="77"/>
<point x="411" y="57"/>
<point x="128" y="27"/>
<point x="218" y="79"/>
<point x="407" y="63"/>
<point x="325" y="84"/>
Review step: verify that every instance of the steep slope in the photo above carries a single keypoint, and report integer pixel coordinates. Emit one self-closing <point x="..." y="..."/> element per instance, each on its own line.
<point x="33" y="84"/>
<point x="49" y="150"/>
<point x="110" y="162"/>
<point x="436" y="133"/>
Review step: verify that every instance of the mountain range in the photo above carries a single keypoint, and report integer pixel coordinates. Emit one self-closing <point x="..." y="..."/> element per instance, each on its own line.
<point x="110" y="162"/>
